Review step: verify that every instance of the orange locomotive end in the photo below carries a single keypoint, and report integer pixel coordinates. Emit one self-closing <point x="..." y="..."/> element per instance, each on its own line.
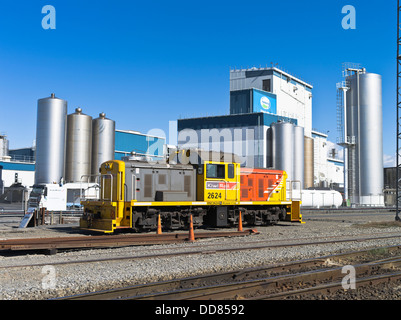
<point x="261" y="184"/>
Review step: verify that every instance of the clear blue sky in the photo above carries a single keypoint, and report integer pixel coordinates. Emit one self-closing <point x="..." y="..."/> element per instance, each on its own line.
<point x="144" y="63"/>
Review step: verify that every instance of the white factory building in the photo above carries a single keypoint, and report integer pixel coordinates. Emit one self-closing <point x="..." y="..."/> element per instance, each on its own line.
<point x="270" y="110"/>
<point x="328" y="162"/>
<point x="293" y="96"/>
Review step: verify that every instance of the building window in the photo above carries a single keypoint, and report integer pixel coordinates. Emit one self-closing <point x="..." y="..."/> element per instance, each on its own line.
<point x="267" y="85"/>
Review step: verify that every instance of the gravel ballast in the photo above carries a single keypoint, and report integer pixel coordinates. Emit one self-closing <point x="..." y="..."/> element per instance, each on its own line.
<point x="52" y="280"/>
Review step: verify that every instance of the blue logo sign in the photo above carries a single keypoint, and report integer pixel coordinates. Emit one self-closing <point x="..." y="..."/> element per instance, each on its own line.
<point x="264" y="102"/>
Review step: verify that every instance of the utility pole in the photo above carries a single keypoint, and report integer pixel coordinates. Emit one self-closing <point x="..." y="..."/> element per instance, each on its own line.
<point x="398" y="153"/>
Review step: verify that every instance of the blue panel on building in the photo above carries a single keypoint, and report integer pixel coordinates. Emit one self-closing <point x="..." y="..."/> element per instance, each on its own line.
<point x="252" y="100"/>
<point x="17" y="166"/>
<point x="230" y="121"/>
<point x="127" y="142"/>
<point x="263" y="101"/>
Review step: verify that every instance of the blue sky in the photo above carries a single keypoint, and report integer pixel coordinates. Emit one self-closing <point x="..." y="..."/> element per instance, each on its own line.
<point x="145" y="63"/>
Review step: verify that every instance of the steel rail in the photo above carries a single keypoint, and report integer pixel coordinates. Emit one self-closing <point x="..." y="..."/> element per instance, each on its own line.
<point x="110" y="240"/>
<point x="153" y="290"/>
<point x="140" y="239"/>
<point x="235" y="290"/>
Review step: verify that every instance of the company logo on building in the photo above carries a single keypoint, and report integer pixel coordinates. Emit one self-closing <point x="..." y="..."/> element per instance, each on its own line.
<point x="265" y="103"/>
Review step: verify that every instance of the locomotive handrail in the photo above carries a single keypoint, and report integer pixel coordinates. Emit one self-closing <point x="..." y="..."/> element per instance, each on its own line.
<point x="96" y="185"/>
<point x="290" y="190"/>
<point x="225" y="187"/>
<point x="133" y="188"/>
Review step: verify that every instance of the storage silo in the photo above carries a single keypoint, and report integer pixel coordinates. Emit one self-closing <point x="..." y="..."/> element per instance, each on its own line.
<point x="79" y="147"/>
<point x="3" y="146"/>
<point x="365" y="131"/>
<point x="269" y="148"/>
<point x="50" y="140"/>
<point x="308" y="163"/>
<point x="103" y="141"/>
<point x="283" y="147"/>
<point x="298" y="156"/>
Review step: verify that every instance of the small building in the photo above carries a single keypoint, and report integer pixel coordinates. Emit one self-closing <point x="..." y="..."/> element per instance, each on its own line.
<point x="328" y="163"/>
<point x="17" y="172"/>
<point x="128" y="142"/>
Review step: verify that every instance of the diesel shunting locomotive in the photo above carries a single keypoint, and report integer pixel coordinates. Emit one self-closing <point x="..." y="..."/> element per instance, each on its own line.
<point x="135" y="192"/>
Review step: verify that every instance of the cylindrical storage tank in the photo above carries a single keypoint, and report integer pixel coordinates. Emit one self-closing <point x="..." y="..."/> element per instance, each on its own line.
<point x="79" y="147"/>
<point x="366" y="126"/>
<point x="50" y="140"/>
<point x="3" y="146"/>
<point x="321" y="198"/>
<point x="298" y="161"/>
<point x="269" y="148"/>
<point x="308" y="163"/>
<point x="1" y="181"/>
<point x="283" y="147"/>
<point x="103" y="142"/>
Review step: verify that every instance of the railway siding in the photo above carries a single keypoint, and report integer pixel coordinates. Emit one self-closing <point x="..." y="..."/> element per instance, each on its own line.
<point x="28" y="282"/>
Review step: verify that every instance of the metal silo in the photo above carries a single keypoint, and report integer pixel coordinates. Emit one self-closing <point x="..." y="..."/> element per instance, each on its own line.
<point x="103" y="141"/>
<point x="298" y="156"/>
<point x="79" y="146"/>
<point x="3" y="146"/>
<point x="365" y="132"/>
<point x="308" y="163"/>
<point x="283" y="147"/>
<point x="50" y="140"/>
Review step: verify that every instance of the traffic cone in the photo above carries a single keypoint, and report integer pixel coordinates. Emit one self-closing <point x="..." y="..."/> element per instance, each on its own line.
<point x="159" y="226"/>
<point x="240" y="222"/>
<point x="191" y="230"/>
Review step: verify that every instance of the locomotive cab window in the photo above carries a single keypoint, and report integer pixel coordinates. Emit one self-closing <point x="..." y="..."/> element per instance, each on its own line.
<point x="215" y="171"/>
<point x="230" y="171"/>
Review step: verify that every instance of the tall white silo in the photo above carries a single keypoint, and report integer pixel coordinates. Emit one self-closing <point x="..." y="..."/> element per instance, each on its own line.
<point x="364" y="129"/>
<point x="50" y="140"/>
<point x="298" y="155"/>
<point x="103" y="141"/>
<point x="283" y="147"/>
<point x="79" y="147"/>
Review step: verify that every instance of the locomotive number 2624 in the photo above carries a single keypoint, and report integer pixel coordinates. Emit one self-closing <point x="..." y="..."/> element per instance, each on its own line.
<point x="214" y="195"/>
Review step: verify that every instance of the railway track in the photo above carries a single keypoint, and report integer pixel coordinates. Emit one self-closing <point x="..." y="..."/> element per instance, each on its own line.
<point x="281" y="281"/>
<point x="99" y="242"/>
<point x="82" y="242"/>
<point x="205" y="248"/>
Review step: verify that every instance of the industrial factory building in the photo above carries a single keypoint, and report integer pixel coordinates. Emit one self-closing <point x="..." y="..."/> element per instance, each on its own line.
<point x="289" y="96"/>
<point x="271" y="111"/>
<point x="270" y="126"/>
